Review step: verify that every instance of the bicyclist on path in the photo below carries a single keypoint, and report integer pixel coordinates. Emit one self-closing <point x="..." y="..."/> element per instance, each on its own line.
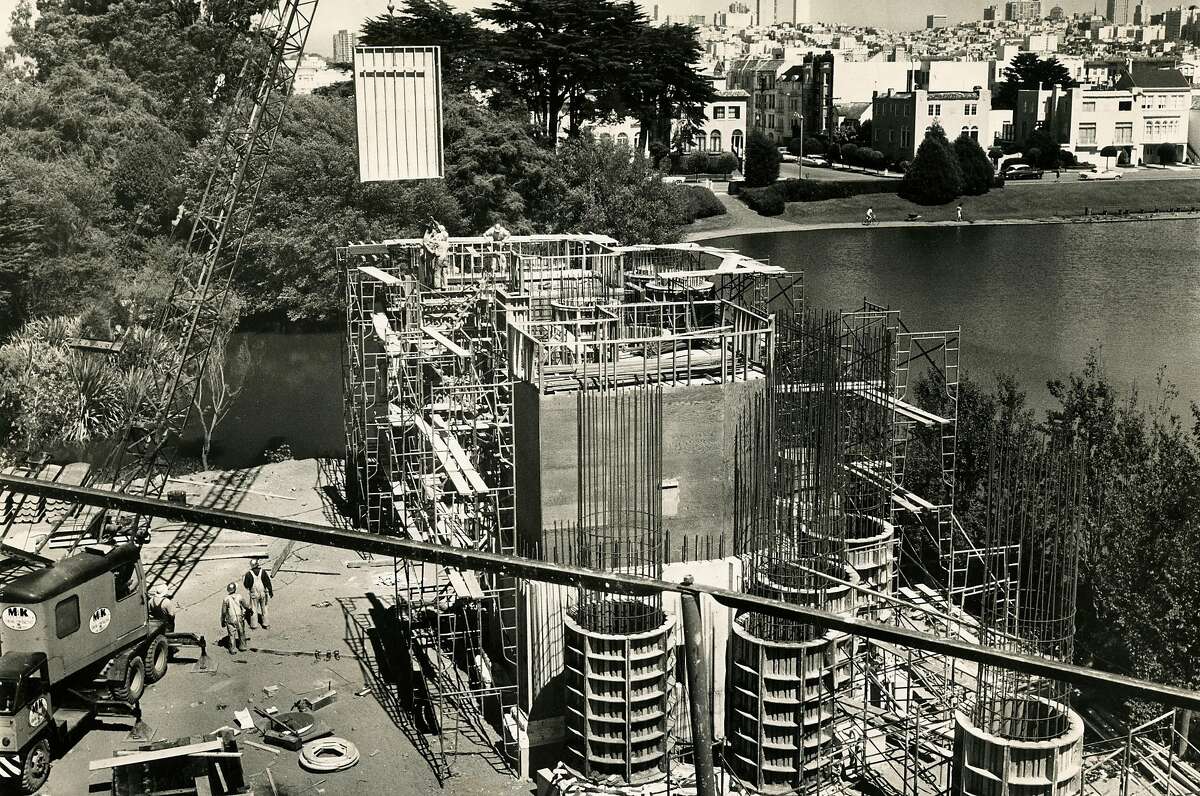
<point x="870" y="215"/>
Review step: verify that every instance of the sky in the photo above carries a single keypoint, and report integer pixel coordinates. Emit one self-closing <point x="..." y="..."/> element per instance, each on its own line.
<point x="334" y="15"/>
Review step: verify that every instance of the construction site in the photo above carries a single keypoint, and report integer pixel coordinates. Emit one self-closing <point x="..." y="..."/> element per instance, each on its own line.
<point x="612" y="518"/>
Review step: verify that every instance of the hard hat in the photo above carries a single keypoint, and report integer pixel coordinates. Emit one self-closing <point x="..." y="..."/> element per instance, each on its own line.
<point x="231" y="588"/>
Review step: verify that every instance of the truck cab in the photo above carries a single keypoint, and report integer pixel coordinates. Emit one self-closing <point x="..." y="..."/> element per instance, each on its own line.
<point x="75" y="641"/>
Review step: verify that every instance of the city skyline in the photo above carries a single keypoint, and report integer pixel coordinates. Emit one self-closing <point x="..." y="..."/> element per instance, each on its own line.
<point x="897" y="14"/>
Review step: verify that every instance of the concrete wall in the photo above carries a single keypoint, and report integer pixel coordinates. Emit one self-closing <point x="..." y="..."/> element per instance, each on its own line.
<point x="699" y="422"/>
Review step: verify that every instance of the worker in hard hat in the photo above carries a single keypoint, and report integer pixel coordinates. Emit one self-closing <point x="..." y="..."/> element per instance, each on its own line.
<point x="233" y="619"/>
<point x="258" y="583"/>
<point x="162" y="607"/>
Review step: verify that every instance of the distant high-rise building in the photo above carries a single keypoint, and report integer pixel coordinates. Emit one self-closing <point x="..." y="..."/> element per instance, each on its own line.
<point x="739" y="8"/>
<point x="780" y="12"/>
<point x="1117" y="12"/>
<point x="697" y="20"/>
<point x="1057" y="14"/>
<point x="656" y="12"/>
<point x="991" y="13"/>
<point x="343" y="47"/>
<point x="935" y="21"/>
<point x="1141" y="14"/>
<point x="1179" y="19"/>
<point x="1023" y="10"/>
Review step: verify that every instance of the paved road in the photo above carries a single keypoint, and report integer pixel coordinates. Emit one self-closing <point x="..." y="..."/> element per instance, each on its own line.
<point x="1181" y="173"/>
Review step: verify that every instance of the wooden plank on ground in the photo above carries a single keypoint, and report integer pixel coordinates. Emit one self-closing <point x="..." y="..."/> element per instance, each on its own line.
<point x="157" y="754"/>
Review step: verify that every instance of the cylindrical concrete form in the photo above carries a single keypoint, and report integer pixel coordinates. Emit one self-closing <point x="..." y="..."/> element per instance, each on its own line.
<point x="992" y="765"/>
<point x="616" y="689"/>
<point x="780" y="726"/>
<point x="869" y="542"/>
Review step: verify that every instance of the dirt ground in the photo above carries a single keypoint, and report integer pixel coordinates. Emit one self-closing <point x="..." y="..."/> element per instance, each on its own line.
<point x="319" y="607"/>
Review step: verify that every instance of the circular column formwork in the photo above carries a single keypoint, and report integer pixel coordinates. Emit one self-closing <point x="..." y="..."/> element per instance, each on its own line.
<point x="616" y="688"/>
<point x="782" y="708"/>
<point x="869" y="551"/>
<point x="987" y="764"/>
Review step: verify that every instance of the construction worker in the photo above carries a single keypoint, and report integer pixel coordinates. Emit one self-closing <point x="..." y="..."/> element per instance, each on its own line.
<point x="498" y="233"/>
<point x="233" y="619"/>
<point x="162" y="607"/>
<point x="258" y="583"/>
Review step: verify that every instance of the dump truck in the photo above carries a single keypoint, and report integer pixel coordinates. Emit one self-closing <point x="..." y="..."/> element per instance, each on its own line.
<point x="76" y="642"/>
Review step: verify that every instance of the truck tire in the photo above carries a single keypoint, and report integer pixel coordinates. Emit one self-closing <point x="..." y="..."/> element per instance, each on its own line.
<point x="157" y="655"/>
<point x="135" y="681"/>
<point x="35" y="766"/>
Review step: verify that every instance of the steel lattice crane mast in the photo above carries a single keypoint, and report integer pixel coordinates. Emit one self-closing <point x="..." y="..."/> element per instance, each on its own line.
<point x="190" y="320"/>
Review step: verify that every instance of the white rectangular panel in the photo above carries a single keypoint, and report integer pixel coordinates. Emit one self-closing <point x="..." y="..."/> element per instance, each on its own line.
<point x="398" y="96"/>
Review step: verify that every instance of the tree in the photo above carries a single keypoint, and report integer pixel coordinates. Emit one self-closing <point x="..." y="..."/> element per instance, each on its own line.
<point x="435" y="23"/>
<point x="994" y="154"/>
<point x="762" y="160"/>
<point x="1042" y="149"/>
<point x="219" y="387"/>
<point x="560" y="55"/>
<point x="1028" y="71"/>
<point x="1167" y="153"/>
<point x="663" y="87"/>
<point x="599" y="188"/>
<point x="934" y="177"/>
<point x="977" y="171"/>
<point x="495" y="168"/>
<point x="312" y="196"/>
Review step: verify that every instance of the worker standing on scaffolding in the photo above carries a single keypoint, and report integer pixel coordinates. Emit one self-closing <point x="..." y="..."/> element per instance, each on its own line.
<point x="437" y="242"/>
<point x="499" y="235"/>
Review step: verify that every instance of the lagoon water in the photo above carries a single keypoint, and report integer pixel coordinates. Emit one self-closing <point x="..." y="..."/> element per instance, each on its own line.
<point x="1031" y="300"/>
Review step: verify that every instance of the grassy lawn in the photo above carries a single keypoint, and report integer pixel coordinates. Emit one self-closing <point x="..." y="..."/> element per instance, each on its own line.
<point x="1034" y="202"/>
<point x="1014" y="201"/>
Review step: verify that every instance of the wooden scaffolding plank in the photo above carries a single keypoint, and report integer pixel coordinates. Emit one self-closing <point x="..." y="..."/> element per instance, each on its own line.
<point x="381" y="275"/>
<point x="446" y="342"/>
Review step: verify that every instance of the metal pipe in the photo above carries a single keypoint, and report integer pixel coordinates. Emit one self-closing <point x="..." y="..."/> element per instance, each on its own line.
<point x="615" y="582"/>
<point x="698" y="693"/>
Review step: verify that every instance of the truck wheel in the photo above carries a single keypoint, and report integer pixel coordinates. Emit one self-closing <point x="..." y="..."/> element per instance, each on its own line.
<point x="156" y="659"/>
<point x="36" y="766"/>
<point x="135" y="681"/>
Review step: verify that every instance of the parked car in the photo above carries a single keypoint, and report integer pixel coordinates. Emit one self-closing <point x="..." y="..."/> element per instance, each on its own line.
<point x="814" y="160"/>
<point x="1021" y="171"/>
<point x="788" y="157"/>
<point x="1100" y="175"/>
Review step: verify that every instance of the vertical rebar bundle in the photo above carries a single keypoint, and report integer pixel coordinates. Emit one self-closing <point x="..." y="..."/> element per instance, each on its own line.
<point x="1034" y="511"/>
<point x="620" y="502"/>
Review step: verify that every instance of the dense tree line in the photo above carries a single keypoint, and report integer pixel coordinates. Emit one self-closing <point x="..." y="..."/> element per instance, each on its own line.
<point x="1138" y="610"/>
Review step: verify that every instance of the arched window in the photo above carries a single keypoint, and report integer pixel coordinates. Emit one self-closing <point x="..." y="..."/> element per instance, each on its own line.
<point x="965" y="131"/>
<point x="975" y="132"/>
<point x="736" y="141"/>
<point x="714" y="141"/>
<point x="622" y="140"/>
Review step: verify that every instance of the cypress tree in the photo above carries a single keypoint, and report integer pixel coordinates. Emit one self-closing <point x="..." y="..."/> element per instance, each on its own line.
<point x="762" y="160"/>
<point x="974" y="164"/>
<point x="934" y="178"/>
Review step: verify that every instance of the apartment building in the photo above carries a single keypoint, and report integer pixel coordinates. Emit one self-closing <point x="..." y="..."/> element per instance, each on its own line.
<point x="1022" y="10"/>
<point x="900" y="119"/>
<point x="1144" y="109"/>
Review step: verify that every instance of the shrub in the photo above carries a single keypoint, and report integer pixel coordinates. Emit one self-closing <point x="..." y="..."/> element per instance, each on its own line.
<point x="762" y="160"/>
<point x="695" y="163"/>
<point x="833" y="152"/>
<point x="727" y="163"/>
<point x="658" y="151"/>
<point x="934" y="177"/>
<point x="766" y="201"/>
<point x="736" y="186"/>
<point x="976" y="169"/>
<point x="700" y="202"/>
<point x="1167" y="153"/>
<point x="793" y="190"/>
<point x="850" y="154"/>
<point x="794" y="146"/>
<point x="814" y="146"/>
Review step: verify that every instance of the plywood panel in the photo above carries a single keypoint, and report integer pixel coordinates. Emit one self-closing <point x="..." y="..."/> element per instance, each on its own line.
<point x="398" y="96"/>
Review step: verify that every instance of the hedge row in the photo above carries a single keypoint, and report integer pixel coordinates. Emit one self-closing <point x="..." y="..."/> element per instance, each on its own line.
<point x="769" y="201"/>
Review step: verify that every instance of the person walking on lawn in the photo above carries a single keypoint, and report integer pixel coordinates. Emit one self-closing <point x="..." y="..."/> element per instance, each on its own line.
<point x="258" y="583"/>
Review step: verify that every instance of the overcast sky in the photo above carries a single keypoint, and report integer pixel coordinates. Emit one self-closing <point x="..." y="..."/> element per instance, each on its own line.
<point x="333" y="15"/>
